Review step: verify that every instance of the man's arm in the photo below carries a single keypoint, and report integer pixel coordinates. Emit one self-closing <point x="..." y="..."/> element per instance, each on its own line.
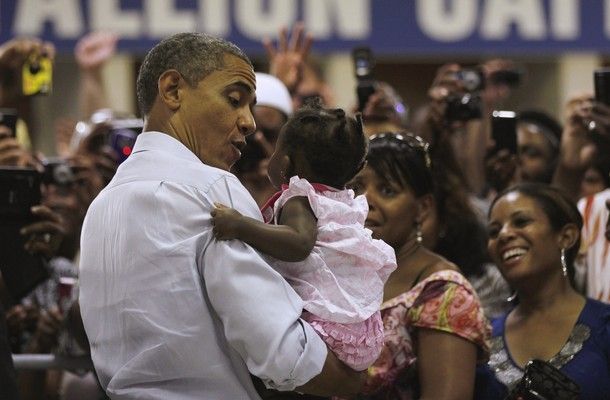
<point x="291" y="241"/>
<point x="261" y="313"/>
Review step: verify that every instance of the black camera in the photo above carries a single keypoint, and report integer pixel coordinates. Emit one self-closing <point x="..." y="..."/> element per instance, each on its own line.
<point x="19" y="192"/>
<point x="601" y="82"/>
<point x="8" y="118"/>
<point x="363" y="67"/>
<point x="467" y="106"/>
<point x="122" y="136"/>
<point x="58" y="172"/>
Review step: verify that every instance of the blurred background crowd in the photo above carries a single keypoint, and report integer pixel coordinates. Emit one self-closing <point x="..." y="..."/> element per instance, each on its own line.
<point x="487" y="123"/>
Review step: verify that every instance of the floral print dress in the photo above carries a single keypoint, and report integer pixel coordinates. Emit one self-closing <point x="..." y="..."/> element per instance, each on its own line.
<point x="444" y="301"/>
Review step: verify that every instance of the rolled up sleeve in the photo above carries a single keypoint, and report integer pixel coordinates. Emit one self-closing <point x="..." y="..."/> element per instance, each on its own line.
<point x="260" y="314"/>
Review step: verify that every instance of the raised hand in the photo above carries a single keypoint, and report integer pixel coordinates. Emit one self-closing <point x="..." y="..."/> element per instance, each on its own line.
<point x="94" y="49"/>
<point x="13" y="55"/>
<point x="45" y="235"/>
<point x="287" y="59"/>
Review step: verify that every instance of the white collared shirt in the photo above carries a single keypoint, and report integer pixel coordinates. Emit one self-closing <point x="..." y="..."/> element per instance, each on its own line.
<point x="170" y="312"/>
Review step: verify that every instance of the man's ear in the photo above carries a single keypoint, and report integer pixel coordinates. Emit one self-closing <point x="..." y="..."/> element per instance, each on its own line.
<point x="169" y="84"/>
<point x="425" y="205"/>
<point x="568" y="236"/>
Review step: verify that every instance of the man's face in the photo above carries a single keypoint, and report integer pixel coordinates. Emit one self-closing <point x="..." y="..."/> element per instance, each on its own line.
<point x="216" y="115"/>
<point x="535" y="153"/>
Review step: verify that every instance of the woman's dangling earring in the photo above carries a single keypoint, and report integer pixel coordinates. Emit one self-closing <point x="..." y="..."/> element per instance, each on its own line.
<point x="419" y="237"/>
<point x="512" y="297"/>
<point x="564" y="263"/>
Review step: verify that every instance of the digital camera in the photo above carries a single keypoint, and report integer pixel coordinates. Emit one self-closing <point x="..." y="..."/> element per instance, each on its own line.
<point x="122" y="136"/>
<point x="466" y="106"/>
<point x="363" y="68"/>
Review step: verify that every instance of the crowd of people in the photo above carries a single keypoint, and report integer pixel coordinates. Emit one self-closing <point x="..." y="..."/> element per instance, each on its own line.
<point x="255" y="241"/>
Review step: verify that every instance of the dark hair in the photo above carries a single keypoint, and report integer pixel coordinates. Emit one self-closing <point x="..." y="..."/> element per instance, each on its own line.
<point x="552" y="128"/>
<point x="193" y="55"/>
<point x="332" y="143"/>
<point x="557" y="206"/>
<point x="402" y="158"/>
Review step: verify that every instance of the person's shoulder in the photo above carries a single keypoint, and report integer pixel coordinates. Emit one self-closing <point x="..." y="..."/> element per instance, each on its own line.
<point x="439" y="266"/>
<point x="597" y="310"/>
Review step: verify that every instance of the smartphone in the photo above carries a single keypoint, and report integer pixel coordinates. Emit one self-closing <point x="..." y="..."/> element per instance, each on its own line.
<point x="37" y="75"/>
<point x="19" y="191"/>
<point x="363" y="68"/>
<point x="601" y="82"/>
<point x="122" y="136"/>
<point x="8" y="118"/>
<point x="504" y="130"/>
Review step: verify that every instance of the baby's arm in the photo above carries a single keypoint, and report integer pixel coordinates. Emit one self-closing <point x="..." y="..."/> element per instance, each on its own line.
<point x="292" y="240"/>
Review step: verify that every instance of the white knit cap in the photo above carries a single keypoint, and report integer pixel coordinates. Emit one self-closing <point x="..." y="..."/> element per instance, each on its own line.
<point x="271" y="92"/>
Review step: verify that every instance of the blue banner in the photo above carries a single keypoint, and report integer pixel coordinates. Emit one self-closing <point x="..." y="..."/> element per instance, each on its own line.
<point x="390" y="27"/>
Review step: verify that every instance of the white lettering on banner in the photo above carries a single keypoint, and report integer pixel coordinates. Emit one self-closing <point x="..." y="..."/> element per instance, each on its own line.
<point x="526" y="15"/>
<point x="214" y="17"/>
<point x="607" y="18"/>
<point x="107" y="16"/>
<point x="447" y="22"/>
<point x="65" y="15"/>
<point x="164" y="20"/>
<point x="565" y="19"/>
<point x="256" y="22"/>
<point x="350" y="18"/>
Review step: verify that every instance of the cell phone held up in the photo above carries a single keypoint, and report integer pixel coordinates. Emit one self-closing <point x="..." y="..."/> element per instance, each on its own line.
<point x="37" y="75"/>
<point x="363" y="68"/>
<point x="8" y="120"/>
<point x="601" y="83"/>
<point x="504" y="131"/>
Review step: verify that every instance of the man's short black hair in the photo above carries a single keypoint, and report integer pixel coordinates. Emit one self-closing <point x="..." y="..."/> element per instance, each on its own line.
<point x="193" y="55"/>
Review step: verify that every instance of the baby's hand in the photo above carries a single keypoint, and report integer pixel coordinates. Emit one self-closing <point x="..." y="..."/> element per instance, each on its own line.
<point x="226" y="222"/>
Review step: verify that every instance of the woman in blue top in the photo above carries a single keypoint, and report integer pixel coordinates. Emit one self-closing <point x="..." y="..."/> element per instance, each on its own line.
<point x="534" y="237"/>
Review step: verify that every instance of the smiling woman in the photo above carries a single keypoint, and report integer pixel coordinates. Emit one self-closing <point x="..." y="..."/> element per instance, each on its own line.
<point x="534" y="237"/>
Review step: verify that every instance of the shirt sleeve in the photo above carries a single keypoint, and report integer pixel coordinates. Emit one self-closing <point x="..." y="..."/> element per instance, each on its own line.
<point x="452" y="308"/>
<point x="259" y="310"/>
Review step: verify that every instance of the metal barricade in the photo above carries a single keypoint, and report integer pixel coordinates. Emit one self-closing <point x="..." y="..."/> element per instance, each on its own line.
<point x="51" y="361"/>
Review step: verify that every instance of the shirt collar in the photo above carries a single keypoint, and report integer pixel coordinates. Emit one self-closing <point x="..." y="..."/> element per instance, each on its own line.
<point x="159" y="141"/>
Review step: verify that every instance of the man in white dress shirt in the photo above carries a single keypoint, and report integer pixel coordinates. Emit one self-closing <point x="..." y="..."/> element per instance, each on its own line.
<point x="171" y="313"/>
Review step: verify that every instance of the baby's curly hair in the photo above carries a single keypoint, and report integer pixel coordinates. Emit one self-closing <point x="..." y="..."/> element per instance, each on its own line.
<point x="331" y="142"/>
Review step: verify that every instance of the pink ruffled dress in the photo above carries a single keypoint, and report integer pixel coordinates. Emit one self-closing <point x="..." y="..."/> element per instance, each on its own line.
<point x="341" y="281"/>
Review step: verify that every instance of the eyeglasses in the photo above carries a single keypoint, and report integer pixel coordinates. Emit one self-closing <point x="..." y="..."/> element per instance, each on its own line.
<point x="413" y="141"/>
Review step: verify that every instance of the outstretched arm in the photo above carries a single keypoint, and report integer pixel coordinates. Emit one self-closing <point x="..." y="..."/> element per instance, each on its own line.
<point x="446" y="365"/>
<point x="291" y="241"/>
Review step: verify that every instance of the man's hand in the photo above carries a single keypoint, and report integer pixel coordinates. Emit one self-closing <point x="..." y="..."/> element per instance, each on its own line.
<point x="45" y="235"/>
<point x="95" y="49"/>
<point x="226" y="222"/>
<point x="576" y="148"/>
<point x="13" y="55"/>
<point x="501" y="170"/>
<point x="12" y="153"/>
<point x="287" y="59"/>
<point x="47" y="330"/>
